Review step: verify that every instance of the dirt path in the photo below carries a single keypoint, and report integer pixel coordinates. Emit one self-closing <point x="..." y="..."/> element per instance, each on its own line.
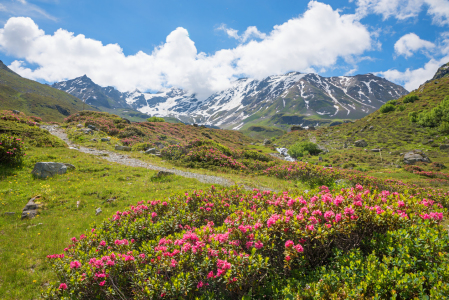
<point x="132" y="162"/>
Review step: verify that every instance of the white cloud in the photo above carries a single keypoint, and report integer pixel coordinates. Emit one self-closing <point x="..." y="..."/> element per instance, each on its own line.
<point x="316" y="39"/>
<point x="410" y="43"/>
<point x="24" y="8"/>
<point x="250" y="32"/>
<point x="403" y="9"/>
<point x="412" y="79"/>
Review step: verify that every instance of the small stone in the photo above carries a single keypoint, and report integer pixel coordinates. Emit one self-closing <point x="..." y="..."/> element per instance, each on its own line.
<point x="93" y="140"/>
<point x="16" y="112"/>
<point x="105" y="139"/>
<point x="266" y="142"/>
<point x="444" y="147"/>
<point x="375" y="150"/>
<point x="92" y="127"/>
<point x="98" y="211"/>
<point x="164" y="173"/>
<point x="79" y="126"/>
<point x="151" y="151"/>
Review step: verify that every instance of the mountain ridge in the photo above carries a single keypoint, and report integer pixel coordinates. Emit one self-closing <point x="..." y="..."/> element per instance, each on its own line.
<point x="249" y="101"/>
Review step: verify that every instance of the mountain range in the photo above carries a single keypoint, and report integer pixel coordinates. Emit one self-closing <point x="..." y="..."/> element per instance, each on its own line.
<point x="279" y="100"/>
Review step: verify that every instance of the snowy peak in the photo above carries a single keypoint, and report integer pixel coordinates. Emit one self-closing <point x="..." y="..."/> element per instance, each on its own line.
<point x="340" y="97"/>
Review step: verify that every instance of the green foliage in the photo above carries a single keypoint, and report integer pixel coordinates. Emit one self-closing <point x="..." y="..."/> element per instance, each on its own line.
<point x="410" y="99"/>
<point x="436" y="116"/>
<point x="303" y="148"/>
<point x="155" y="119"/>
<point x="401" y="107"/>
<point x="413" y="116"/>
<point x="387" y="107"/>
<point x="409" y="263"/>
<point x="11" y="150"/>
<point x="141" y="146"/>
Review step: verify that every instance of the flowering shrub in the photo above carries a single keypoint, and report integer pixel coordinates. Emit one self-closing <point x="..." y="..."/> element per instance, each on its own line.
<point x="11" y="150"/>
<point x="220" y="244"/>
<point x="8" y="115"/>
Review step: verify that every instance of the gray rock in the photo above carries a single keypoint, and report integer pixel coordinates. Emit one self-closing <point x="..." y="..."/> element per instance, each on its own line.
<point x="266" y="142"/>
<point x="30" y="209"/>
<point x="444" y="147"/>
<point x="87" y="131"/>
<point x="92" y="127"/>
<point x="375" y="150"/>
<point x="164" y="173"/>
<point x="70" y="166"/>
<point x="123" y="148"/>
<point x="48" y="169"/>
<point x="16" y="112"/>
<point x="413" y="157"/>
<point x="360" y="143"/>
<point x="105" y="139"/>
<point x="371" y="127"/>
<point x="151" y="151"/>
<point x="320" y="158"/>
<point x="98" y="211"/>
<point x="79" y="125"/>
<point x="93" y="140"/>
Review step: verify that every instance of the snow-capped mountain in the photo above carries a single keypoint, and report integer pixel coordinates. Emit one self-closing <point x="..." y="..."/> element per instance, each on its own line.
<point x="249" y="100"/>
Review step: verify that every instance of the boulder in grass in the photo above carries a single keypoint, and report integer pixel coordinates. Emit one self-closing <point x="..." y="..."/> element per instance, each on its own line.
<point x="444" y="147"/>
<point x="48" y="169"/>
<point x="30" y="209"/>
<point x="164" y="173"/>
<point x="413" y="157"/>
<point x="360" y="143"/>
<point x="151" y="151"/>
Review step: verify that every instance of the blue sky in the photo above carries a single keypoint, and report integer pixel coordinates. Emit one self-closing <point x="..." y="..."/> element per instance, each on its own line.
<point x="202" y="46"/>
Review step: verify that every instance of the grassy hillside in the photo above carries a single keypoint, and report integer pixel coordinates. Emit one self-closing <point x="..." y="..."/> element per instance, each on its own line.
<point x="33" y="98"/>
<point x="393" y="132"/>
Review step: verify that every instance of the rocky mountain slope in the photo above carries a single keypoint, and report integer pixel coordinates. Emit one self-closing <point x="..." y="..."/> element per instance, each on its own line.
<point x="104" y="98"/>
<point x="33" y="98"/>
<point x="312" y="99"/>
<point x="387" y="136"/>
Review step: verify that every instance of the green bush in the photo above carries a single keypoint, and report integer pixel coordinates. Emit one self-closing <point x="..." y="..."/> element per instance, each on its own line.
<point x="410" y="99"/>
<point x="409" y="263"/>
<point x="413" y="116"/>
<point x="303" y="148"/>
<point x="436" y="116"/>
<point x="155" y="119"/>
<point x="392" y="102"/>
<point x="401" y="107"/>
<point x="387" y="107"/>
<point x="11" y="150"/>
<point x="444" y="127"/>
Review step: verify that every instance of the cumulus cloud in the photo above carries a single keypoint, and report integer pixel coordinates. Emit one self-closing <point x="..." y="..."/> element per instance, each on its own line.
<point x="412" y="79"/>
<point x="403" y="9"/>
<point x="410" y="43"/>
<point x="316" y="39"/>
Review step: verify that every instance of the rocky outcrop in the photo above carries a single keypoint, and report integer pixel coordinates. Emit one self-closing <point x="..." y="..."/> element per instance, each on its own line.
<point x="415" y="156"/>
<point x="49" y="169"/>
<point x="444" y="147"/>
<point x="360" y="143"/>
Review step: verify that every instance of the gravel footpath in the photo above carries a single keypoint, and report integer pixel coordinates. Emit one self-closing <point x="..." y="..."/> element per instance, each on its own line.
<point x="132" y="162"/>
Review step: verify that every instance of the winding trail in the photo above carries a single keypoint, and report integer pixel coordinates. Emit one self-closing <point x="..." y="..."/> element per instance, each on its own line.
<point x="133" y="162"/>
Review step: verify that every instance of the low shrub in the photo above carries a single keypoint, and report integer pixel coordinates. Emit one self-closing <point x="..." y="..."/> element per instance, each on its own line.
<point x="155" y="119"/>
<point x="12" y="150"/>
<point x="227" y="243"/>
<point x="410" y="99"/>
<point x="386" y="108"/>
<point x="409" y="263"/>
<point x="300" y="149"/>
